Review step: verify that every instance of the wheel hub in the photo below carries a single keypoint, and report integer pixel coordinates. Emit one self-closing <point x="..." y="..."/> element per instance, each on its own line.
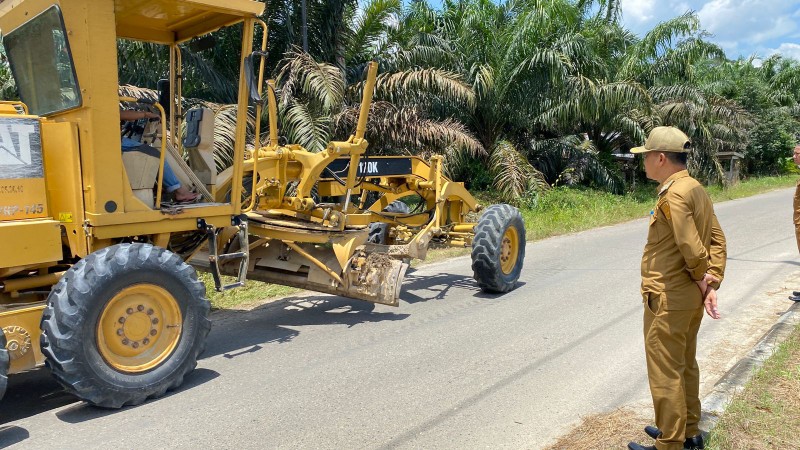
<point x="139" y="328"/>
<point x="509" y="249"/>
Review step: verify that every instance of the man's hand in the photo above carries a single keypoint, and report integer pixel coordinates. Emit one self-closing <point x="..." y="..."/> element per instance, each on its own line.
<point x="703" y="283"/>
<point x="710" y="303"/>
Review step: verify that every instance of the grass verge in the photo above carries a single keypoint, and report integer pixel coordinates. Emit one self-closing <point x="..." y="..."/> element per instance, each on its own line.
<point x="558" y="211"/>
<point x="567" y="210"/>
<point x="252" y="292"/>
<point x="766" y="414"/>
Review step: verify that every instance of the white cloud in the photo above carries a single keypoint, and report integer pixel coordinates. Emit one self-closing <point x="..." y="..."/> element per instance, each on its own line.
<point x="787" y="50"/>
<point x="740" y="27"/>
<point x="638" y="10"/>
<point x="754" y="21"/>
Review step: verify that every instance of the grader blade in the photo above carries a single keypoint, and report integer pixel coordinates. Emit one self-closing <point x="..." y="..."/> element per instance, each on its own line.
<point x="374" y="277"/>
<point x="380" y="281"/>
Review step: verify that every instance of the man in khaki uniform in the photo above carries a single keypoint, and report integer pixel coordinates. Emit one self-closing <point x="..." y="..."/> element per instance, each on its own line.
<point x="682" y="266"/>
<point x="796" y="158"/>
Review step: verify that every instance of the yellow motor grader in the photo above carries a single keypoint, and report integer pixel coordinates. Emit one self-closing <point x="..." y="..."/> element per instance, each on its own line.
<point x="97" y="267"/>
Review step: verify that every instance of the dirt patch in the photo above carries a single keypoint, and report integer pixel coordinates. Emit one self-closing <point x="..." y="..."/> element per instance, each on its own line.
<point x="611" y="430"/>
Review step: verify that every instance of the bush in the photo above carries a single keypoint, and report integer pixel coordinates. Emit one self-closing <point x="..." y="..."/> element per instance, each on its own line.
<point x="771" y="141"/>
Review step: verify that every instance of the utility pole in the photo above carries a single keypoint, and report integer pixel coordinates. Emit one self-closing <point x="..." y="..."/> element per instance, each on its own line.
<point x="305" y="26"/>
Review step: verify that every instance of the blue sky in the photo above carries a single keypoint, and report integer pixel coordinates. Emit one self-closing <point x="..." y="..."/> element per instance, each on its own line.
<point x="740" y="27"/>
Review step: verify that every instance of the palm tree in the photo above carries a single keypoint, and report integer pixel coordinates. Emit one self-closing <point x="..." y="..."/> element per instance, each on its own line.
<point x="319" y="100"/>
<point x="769" y="92"/>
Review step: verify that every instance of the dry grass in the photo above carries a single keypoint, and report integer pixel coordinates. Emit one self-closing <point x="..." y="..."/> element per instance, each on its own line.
<point x="766" y="414"/>
<point x="606" y="431"/>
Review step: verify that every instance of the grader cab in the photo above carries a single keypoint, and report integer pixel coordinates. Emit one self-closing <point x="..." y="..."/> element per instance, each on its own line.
<point x="97" y="271"/>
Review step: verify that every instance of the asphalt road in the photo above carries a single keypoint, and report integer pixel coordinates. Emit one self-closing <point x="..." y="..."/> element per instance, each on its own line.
<point x="449" y="368"/>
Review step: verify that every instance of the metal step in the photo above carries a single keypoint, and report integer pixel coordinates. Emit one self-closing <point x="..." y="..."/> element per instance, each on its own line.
<point x="214" y="258"/>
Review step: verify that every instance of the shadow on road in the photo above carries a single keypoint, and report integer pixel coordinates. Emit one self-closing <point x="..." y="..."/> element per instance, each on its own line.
<point x="12" y="435"/>
<point x="32" y="393"/>
<point x="795" y="263"/>
<point x="37" y="392"/>
<point x="82" y="412"/>
<point x="423" y="288"/>
<point x="234" y="333"/>
<point x="240" y="332"/>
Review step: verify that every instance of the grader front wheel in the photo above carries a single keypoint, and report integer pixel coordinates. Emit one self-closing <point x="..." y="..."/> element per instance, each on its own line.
<point x="4" y="363"/>
<point x="125" y="324"/>
<point x="498" y="248"/>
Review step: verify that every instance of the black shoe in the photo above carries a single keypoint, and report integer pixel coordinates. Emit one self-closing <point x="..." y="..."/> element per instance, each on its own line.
<point x="795" y="298"/>
<point x="635" y="446"/>
<point x="692" y="443"/>
<point x="795" y="293"/>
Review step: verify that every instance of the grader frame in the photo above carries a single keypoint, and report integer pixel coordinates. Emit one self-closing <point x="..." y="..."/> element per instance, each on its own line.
<point x="95" y="281"/>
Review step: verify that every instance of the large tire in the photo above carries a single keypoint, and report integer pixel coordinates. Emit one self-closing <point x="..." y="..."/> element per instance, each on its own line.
<point x="498" y="248"/>
<point x="379" y="231"/>
<point x="125" y="324"/>
<point x="4" y="363"/>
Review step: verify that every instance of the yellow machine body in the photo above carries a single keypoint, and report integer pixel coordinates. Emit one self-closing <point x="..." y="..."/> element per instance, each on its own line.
<point x="64" y="192"/>
<point x="303" y="219"/>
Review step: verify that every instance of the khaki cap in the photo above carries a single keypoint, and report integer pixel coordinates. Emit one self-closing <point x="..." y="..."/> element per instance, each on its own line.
<point x="665" y="139"/>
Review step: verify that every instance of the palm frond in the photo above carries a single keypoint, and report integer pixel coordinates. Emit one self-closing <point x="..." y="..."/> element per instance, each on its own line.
<point x="302" y="126"/>
<point x="400" y="87"/>
<point x="392" y="130"/>
<point x="514" y="176"/>
<point x="300" y="74"/>
<point x="370" y="29"/>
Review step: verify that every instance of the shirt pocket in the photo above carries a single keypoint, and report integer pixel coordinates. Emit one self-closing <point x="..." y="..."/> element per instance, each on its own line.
<point x="659" y="225"/>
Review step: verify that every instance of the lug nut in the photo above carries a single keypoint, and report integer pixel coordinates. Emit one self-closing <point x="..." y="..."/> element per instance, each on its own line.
<point x="121" y="320"/>
<point x="125" y="341"/>
<point x="135" y="344"/>
<point x="155" y="321"/>
<point x="129" y="311"/>
<point x="120" y="332"/>
<point x="153" y="332"/>
<point x="145" y="341"/>
<point x="150" y="312"/>
<point x="140" y="308"/>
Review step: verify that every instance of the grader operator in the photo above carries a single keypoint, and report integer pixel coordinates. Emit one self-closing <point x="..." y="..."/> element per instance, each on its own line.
<point x="96" y="269"/>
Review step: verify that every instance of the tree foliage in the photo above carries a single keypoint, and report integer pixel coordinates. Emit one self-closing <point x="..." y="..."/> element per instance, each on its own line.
<point x="518" y="95"/>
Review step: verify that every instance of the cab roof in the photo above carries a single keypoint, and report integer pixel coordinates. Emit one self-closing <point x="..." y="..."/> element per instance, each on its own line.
<point x="170" y="21"/>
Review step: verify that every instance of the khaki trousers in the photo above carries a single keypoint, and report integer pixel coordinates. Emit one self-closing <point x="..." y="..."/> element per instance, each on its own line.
<point x="797" y="214"/>
<point x="670" y="341"/>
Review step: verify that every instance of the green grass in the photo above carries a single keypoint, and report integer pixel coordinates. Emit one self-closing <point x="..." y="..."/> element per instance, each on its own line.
<point x="567" y="210"/>
<point x="558" y="211"/>
<point x="752" y="187"/>
<point x="252" y="292"/>
<point x="766" y="414"/>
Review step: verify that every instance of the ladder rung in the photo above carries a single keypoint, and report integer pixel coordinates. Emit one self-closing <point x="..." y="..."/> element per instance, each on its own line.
<point x="231" y="286"/>
<point x="227" y="256"/>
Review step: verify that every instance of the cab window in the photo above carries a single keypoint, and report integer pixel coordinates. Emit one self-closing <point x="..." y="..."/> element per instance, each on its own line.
<point x="41" y="62"/>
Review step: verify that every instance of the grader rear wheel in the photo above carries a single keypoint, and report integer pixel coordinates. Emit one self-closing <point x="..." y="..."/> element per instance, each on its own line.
<point x="498" y="248"/>
<point x="4" y="363"/>
<point x="379" y="231"/>
<point x="125" y="324"/>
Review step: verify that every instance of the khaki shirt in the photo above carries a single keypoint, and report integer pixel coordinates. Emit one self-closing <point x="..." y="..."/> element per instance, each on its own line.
<point x="684" y="242"/>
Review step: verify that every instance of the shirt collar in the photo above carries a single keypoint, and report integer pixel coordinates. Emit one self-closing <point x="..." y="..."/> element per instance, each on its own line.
<point x="668" y="182"/>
